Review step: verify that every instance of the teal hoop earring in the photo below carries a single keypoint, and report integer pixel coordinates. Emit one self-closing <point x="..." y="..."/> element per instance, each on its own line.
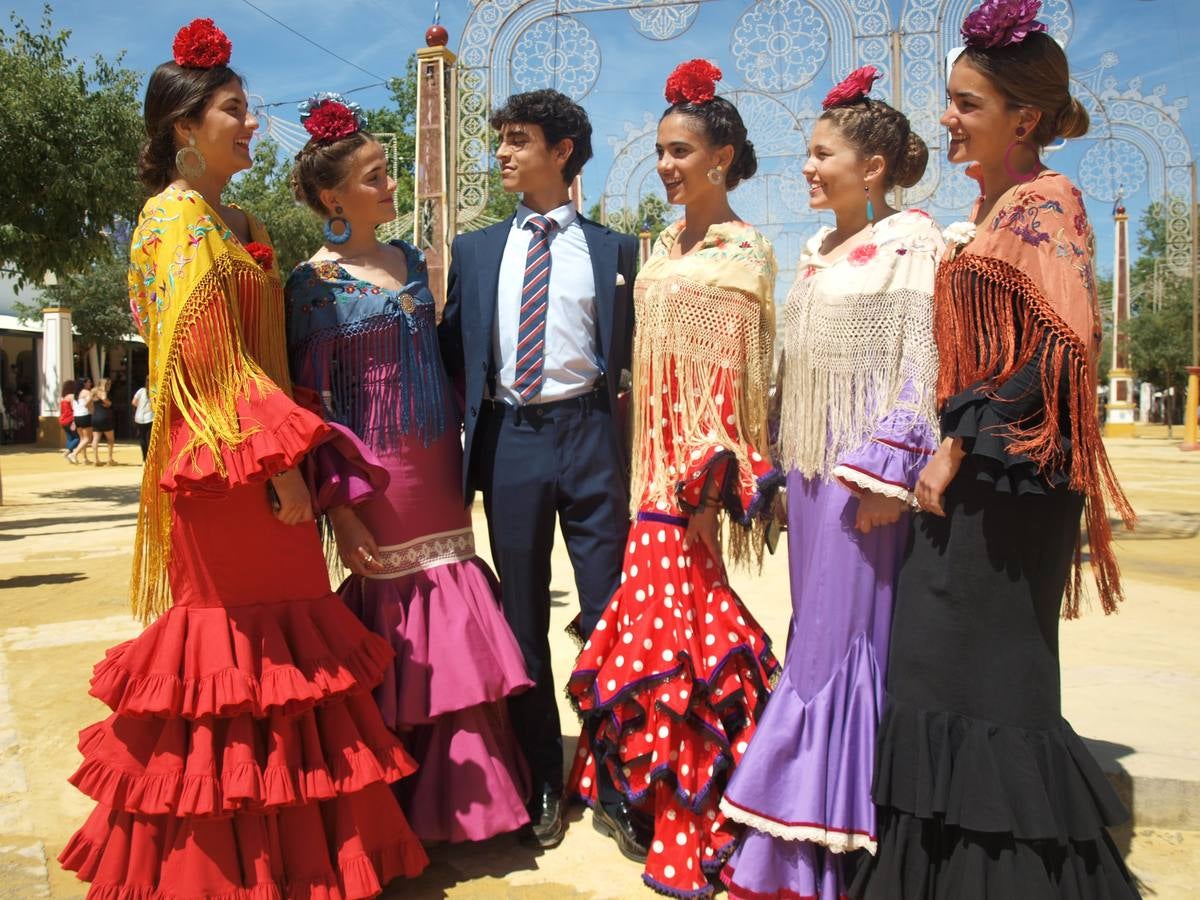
<point x="330" y="235"/>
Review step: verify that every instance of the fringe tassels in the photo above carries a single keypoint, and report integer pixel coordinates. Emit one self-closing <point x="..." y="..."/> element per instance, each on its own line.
<point x="989" y="322"/>
<point x="212" y="361"/>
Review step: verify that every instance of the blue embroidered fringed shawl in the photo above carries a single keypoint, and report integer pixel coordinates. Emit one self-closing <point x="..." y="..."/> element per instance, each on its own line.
<point x="371" y="353"/>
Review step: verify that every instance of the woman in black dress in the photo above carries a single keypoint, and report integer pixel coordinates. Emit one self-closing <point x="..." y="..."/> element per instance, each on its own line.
<point x="984" y="790"/>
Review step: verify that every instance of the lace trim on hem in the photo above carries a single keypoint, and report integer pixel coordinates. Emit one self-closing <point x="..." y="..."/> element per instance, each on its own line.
<point x="834" y="841"/>
<point x="427" y="552"/>
<point x="869" y="483"/>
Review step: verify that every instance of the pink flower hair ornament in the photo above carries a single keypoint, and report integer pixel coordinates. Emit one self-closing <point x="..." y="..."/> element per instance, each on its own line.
<point x="331" y="117"/>
<point x="852" y="88"/>
<point x="694" y="81"/>
<point x="999" y="23"/>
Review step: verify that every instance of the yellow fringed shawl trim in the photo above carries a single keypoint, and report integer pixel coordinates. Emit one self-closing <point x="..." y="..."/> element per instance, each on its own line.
<point x="702" y="345"/>
<point x="210" y="363"/>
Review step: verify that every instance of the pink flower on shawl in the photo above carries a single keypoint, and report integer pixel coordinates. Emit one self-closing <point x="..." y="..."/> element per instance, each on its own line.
<point x="862" y="254"/>
<point x="998" y="23"/>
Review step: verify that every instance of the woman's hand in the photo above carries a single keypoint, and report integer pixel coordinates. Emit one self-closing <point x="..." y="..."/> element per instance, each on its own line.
<point x="703" y="528"/>
<point x="295" y="503"/>
<point x="937" y="475"/>
<point x="356" y="547"/>
<point x="876" y="510"/>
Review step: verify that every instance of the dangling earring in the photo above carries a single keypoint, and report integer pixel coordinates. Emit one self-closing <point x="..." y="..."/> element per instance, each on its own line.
<point x="189" y="161"/>
<point x="716" y="175"/>
<point x="1020" y="177"/>
<point x="330" y="235"/>
<point x="870" y="206"/>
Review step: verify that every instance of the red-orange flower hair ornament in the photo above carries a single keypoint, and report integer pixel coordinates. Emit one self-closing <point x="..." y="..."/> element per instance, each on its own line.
<point x="694" y="81"/>
<point x="331" y="117"/>
<point x="852" y="88"/>
<point x="201" y="45"/>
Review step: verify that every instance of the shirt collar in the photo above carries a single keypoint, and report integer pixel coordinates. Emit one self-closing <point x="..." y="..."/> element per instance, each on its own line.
<point x="563" y="216"/>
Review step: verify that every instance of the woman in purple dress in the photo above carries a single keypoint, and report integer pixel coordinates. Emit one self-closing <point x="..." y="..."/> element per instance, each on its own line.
<point x="856" y="386"/>
<point x="362" y="337"/>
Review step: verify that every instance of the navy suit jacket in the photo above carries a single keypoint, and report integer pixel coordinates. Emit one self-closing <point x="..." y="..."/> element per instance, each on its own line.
<point x="470" y="313"/>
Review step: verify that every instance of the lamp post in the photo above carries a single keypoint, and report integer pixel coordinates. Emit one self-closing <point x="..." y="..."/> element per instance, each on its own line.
<point x="1193" y="371"/>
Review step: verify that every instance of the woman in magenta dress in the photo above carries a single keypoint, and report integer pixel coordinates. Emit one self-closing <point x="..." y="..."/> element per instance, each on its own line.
<point x="676" y="673"/>
<point x="857" y="423"/>
<point x="362" y="332"/>
<point x="244" y="758"/>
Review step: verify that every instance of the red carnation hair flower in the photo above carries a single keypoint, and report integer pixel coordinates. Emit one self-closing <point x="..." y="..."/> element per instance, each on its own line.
<point x="331" y="121"/>
<point x="262" y="254"/>
<point x="201" y="45"/>
<point x="852" y="88"/>
<point x="694" y="81"/>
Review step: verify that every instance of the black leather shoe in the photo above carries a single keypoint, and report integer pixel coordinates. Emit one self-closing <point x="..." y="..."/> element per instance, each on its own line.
<point x="546" y="827"/>
<point x="626" y="826"/>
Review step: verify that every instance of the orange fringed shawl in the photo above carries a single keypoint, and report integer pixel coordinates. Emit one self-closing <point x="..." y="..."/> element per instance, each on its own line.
<point x="1026" y="278"/>
<point x="213" y="323"/>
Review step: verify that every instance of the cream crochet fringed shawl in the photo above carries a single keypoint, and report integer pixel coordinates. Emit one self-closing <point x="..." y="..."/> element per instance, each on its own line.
<point x="702" y="357"/>
<point x="858" y="343"/>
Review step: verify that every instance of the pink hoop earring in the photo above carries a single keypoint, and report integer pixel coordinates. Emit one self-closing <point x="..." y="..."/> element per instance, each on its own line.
<point x="1020" y="177"/>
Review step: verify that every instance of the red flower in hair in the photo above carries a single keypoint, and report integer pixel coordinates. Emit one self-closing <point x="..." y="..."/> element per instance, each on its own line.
<point x="852" y="88"/>
<point x="694" y="81"/>
<point x="262" y="254"/>
<point x="201" y="45"/>
<point x="331" y="121"/>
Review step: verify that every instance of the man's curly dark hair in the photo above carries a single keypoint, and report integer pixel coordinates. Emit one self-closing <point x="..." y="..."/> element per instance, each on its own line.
<point x="558" y="116"/>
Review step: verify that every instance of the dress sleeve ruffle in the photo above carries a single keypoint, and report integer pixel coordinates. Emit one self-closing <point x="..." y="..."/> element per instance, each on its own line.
<point x="746" y="495"/>
<point x="277" y="433"/>
<point x="891" y="460"/>
<point x="341" y="470"/>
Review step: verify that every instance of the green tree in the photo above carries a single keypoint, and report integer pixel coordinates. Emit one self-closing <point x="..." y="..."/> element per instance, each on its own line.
<point x="652" y="214"/>
<point x="69" y="139"/>
<point x="266" y="191"/>
<point x="1160" y="326"/>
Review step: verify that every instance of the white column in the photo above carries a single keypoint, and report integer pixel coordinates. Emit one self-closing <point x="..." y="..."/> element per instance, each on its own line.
<point x="58" y="365"/>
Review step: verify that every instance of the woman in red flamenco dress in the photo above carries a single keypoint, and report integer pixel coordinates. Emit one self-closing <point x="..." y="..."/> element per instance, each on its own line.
<point x="674" y="677"/>
<point x="245" y="758"/>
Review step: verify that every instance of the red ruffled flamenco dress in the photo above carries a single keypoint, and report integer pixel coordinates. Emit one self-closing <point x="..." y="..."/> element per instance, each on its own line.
<point x="245" y="758"/>
<point x="677" y="672"/>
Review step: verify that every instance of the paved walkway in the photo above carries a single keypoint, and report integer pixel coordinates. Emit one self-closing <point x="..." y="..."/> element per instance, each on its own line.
<point x="1129" y="681"/>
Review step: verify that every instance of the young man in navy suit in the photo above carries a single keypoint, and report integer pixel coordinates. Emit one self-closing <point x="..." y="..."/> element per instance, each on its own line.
<point x="539" y="324"/>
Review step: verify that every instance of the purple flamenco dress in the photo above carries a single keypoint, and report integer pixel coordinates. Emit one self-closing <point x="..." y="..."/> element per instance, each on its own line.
<point x="371" y="355"/>
<point x="856" y="389"/>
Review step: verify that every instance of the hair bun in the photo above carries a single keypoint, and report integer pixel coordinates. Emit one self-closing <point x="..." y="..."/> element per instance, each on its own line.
<point x="914" y="157"/>
<point x="745" y="164"/>
<point x="1073" y="120"/>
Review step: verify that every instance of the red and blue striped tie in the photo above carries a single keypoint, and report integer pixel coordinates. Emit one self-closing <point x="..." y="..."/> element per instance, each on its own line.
<point x="535" y="297"/>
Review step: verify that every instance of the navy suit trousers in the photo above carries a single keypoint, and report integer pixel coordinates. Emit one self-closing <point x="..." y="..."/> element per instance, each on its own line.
<point x="539" y="468"/>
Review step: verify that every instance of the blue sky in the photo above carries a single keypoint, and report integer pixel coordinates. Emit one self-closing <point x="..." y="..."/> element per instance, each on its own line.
<point x="1155" y="41"/>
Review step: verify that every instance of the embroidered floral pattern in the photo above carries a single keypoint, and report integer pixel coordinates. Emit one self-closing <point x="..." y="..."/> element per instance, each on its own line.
<point x="862" y="254"/>
<point x="426" y="552"/>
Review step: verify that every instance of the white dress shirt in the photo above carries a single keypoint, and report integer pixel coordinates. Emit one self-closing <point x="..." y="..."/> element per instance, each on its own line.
<point x="572" y="363"/>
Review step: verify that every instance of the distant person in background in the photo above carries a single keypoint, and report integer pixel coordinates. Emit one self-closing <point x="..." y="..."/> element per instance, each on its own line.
<point x="102" y="420"/>
<point x="66" y="418"/>
<point x="81" y="407"/>
<point x="143" y="415"/>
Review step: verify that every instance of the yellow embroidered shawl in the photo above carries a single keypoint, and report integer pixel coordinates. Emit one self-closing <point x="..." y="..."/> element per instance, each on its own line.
<point x="213" y="322"/>
<point x="704" y="332"/>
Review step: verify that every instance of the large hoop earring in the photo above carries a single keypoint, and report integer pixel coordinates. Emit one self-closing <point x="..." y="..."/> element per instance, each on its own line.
<point x="330" y="235"/>
<point x="716" y="175"/>
<point x="1020" y="177"/>
<point x="189" y="161"/>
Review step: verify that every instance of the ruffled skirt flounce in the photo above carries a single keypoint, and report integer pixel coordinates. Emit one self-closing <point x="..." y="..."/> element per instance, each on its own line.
<point x="970" y="808"/>
<point x="675" y="677"/>
<point x="244" y="760"/>
<point x="456" y="663"/>
<point x="804" y="787"/>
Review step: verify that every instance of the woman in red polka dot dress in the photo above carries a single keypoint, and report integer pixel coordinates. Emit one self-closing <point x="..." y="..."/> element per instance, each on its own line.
<point x="675" y="675"/>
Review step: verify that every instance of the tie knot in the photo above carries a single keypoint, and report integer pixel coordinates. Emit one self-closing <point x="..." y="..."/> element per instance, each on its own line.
<point x="540" y="224"/>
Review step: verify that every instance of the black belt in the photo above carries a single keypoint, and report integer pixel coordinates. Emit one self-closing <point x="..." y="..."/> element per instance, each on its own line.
<point x="597" y="397"/>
